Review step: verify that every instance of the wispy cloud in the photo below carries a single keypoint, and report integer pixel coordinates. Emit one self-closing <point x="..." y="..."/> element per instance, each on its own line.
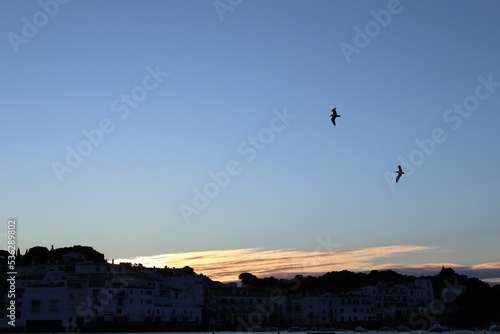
<point x="486" y="266"/>
<point x="227" y="265"/>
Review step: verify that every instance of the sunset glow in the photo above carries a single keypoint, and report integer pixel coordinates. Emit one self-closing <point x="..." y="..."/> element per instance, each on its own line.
<point x="227" y="265"/>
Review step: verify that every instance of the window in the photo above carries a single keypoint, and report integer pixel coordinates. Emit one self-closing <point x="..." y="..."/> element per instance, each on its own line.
<point x="53" y="305"/>
<point x="35" y="305"/>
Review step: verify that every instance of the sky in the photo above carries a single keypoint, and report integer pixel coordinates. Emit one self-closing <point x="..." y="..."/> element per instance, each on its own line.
<point x="198" y="133"/>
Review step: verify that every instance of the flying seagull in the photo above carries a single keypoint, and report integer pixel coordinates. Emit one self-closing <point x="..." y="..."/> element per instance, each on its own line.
<point x="334" y="115"/>
<point x="400" y="172"/>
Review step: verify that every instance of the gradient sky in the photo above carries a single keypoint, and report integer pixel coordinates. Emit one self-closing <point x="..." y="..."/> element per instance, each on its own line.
<point x="185" y="91"/>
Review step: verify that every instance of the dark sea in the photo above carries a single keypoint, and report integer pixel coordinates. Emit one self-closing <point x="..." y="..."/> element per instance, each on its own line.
<point x="315" y="332"/>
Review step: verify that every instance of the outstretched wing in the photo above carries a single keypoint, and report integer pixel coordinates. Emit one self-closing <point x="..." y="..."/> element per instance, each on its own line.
<point x="398" y="177"/>
<point x="400" y="169"/>
<point x="333" y="121"/>
<point x="334" y="112"/>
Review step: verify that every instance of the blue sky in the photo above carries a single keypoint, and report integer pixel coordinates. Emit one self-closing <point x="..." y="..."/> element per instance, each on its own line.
<point x="156" y="97"/>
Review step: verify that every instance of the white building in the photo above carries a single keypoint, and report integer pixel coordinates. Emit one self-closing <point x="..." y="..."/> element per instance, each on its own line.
<point x="355" y="306"/>
<point x="381" y="301"/>
<point x="397" y="300"/>
<point x="326" y="309"/>
<point x="312" y="310"/>
<point x="42" y="305"/>
<point x="77" y="295"/>
<point x="242" y="307"/>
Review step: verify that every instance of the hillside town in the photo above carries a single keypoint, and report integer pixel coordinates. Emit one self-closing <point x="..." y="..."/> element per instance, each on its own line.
<point x="70" y="292"/>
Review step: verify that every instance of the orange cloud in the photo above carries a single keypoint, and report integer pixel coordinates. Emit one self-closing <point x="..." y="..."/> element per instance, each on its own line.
<point x="227" y="265"/>
<point x="486" y="266"/>
<point x="492" y="281"/>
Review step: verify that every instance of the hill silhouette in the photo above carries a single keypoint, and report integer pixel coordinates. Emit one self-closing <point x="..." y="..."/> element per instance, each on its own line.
<point x="77" y="253"/>
<point x="335" y="281"/>
<point x="465" y="302"/>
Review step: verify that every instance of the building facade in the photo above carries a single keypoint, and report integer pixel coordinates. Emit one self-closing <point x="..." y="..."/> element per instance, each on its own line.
<point x="78" y="295"/>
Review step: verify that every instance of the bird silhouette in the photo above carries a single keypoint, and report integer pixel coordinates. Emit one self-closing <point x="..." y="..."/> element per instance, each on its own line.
<point x="334" y="115"/>
<point x="400" y="172"/>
